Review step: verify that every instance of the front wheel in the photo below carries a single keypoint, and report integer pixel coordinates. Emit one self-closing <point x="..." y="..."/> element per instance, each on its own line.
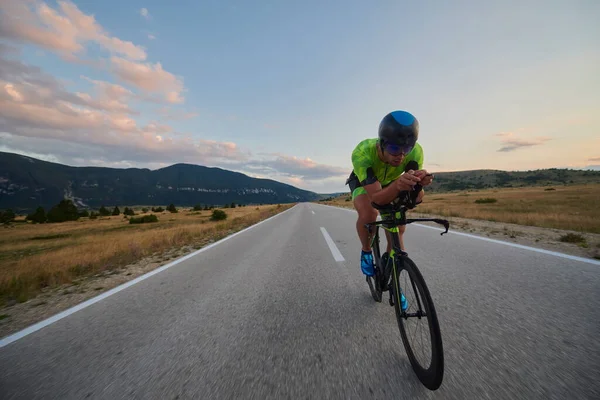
<point x="418" y="323"/>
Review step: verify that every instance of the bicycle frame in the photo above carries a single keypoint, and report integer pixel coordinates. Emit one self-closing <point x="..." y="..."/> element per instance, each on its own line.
<point x="391" y="218"/>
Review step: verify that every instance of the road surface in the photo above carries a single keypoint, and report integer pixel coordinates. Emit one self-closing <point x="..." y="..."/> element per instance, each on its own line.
<point x="273" y="313"/>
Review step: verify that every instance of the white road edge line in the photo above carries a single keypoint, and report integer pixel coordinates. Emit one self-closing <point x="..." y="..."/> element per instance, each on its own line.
<point x="36" y="327"/>
<point x="520" y="246"/>
<point x="337" y="256"/>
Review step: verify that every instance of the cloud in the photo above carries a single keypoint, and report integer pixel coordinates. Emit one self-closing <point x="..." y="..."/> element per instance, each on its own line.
<point x="144" y="13"/>
<point x="151" y="36"/>
<point x="291" y="166"/>
<point x="512" y="143"/>
<point x="594" y="159"/>
<point x="169" y="113"/>
<point x="64" y="31"/>
<point x="149" y="77"/>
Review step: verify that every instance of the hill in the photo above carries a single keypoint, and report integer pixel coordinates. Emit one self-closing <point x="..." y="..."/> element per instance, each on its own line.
<point x="484" y="179"/>
<point x="26" y="183"/>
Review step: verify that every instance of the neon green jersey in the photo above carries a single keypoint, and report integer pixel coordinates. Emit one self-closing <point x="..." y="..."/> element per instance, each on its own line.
<point x="368" y="167"/>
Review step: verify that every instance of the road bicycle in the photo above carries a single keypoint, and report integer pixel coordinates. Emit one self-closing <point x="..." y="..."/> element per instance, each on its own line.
<point x="401" y="278"/>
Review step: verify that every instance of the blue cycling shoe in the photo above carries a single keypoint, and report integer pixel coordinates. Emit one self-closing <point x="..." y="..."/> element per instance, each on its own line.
<point x="403" y="302"/>
<point x="366" y="263"/>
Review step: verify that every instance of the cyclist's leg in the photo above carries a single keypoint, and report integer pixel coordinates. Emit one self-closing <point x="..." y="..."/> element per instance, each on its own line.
<point x="366" y="214"/>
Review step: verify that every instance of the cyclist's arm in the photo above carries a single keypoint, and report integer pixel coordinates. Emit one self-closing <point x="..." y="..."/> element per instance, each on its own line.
<point x="381" y="196"/>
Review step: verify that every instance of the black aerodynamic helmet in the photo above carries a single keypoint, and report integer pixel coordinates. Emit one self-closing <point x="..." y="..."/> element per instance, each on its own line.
<point x="398" y="132"/>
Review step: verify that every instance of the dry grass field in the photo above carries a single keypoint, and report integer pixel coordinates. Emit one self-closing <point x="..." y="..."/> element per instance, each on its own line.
<point x="560" y="207"/>
<point x="37" y="256"/>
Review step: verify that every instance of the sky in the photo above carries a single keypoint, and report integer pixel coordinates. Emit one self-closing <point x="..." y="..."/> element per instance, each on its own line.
<point x="285" y="89"/>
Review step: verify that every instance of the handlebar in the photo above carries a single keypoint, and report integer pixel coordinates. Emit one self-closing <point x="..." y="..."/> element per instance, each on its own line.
<point x="406" y="200"/>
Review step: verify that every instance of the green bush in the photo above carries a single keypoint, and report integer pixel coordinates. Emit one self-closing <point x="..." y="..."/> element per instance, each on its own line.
<point x="128" y="211"/>
<point x="144" y="210"/>
<point x="103" y="211"/>
<point x="94" y="215"/>
<point x="63" y="211"/>
<point x="486" y="200"/>
<point x="157" y="209"/>
<point x="143" y="219"/>
<point x="39" y="216"/>
<point x="84" y="213"/>
<point x="171" y="208"/>
<point x="218" y="215"/>
<point x="198" y="207"/>
<point x="116" y="211"/>
<point x="7" y="216"/>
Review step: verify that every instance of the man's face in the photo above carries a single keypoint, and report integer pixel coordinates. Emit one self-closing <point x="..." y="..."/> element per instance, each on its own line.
<point x="394" y="154"/>
<point x="393" y="160"/>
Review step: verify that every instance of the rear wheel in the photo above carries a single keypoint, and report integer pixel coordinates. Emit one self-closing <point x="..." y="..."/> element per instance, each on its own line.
<point x="418" y="324"/>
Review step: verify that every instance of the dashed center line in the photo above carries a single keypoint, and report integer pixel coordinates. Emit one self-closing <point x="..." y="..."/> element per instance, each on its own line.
<point x="334" y="250"/>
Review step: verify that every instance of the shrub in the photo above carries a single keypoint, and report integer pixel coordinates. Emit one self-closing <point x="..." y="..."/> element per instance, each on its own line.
<point x="39" y="216"/>
<point x="128" y="211"/>
<point x="143" y="219"/>
<point x="7" y="216"/>
<point x="572" y="238"/>
<point x="103" y="211"/>
<point x="116" y="211"/>
<point x="94" y="215"/>
<point x="144" y="210"/>
<point x="218" y="215"/>
<point x="171" y="208"/>
<point x="198" y="207"/>
<point x="63" y="211"/>
<point x="486" y="200"/>
<point x="157" y="209"/>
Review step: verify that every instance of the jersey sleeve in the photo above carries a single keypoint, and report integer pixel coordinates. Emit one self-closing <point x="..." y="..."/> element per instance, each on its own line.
<point x="363" y="166"/>
<point x="418" y="155"/>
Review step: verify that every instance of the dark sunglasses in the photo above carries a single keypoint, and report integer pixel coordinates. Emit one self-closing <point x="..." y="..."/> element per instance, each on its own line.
<point x="396" y="150"/>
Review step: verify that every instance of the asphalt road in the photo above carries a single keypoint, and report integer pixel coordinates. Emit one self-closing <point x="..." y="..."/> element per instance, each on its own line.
<point x="271" y="314"/>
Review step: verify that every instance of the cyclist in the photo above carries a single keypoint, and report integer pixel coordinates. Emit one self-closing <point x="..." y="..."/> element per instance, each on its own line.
<point x="382" y="168"/>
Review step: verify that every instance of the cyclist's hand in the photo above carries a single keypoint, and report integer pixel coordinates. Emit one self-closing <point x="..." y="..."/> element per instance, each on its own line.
<point x="407" y="180"/>
<point x="426" y="178"/>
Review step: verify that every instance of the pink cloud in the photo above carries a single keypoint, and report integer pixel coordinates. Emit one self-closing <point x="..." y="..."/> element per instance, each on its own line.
<point x="149" y="77"/>
<point x="511" y="143"/>
<point x="65" y="31"/>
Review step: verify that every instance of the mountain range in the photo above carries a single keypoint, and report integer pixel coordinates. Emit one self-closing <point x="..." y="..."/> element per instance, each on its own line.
<point x="26" y="183"/>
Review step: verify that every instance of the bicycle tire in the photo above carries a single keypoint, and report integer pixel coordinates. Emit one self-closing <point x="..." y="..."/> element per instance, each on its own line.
<point x="431" y="377"/>
<point x="373" y="281"/>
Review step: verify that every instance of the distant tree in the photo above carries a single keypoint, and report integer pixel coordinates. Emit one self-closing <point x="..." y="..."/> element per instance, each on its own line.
<point x="144" y="210"/>
<point x="128" y="211"/>
<point x="171" y="208"/>
<point x="198" y="207"/>
<point x="116" y="211"/>
<point x="157" y="209"/>
<point x="94" y="215"/>
<point x="103" y="211"/>
<point x="63" y="211"/>
<point x="7" y="216"/>
<point x="37" y="217"/>
<point x="232" y="204"/>
<point x="84" y="213"/>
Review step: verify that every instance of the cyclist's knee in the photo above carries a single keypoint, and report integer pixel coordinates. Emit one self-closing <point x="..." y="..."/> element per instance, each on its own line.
<point x="366" y="212"/>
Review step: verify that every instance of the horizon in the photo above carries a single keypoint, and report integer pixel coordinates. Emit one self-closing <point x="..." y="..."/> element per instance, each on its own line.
<point x="320" y="193"/>
<point x="509" y="87"/>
